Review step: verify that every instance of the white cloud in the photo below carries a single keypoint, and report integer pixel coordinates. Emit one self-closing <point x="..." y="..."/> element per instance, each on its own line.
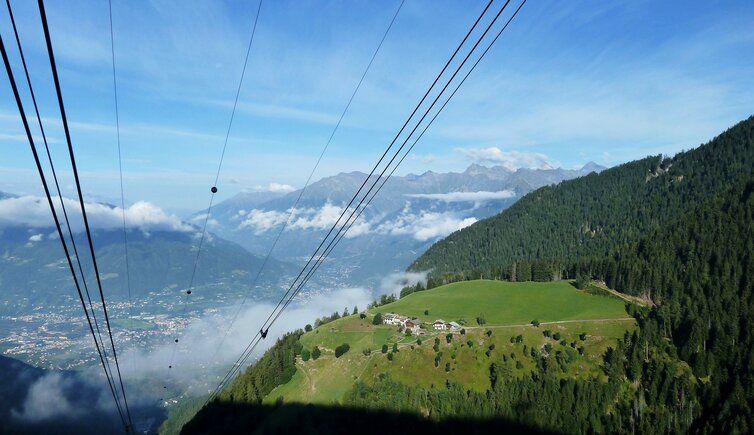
<point x="35" y="238"/>
<point x="200" y="218"/>
<point x="425" y="225"/>
<point x="321" y="219"/>
<point x="300" y="219"/>
<point x="359" y="228"/>
<point x="421" y="226"/>
<point x="46" y="399"/>
<point x="434" y="225"/>
<point x="477" y="197"/>
<point x="508" y="159"/>
<point x="261" y="221"/>
<point x="279" y="187"/>
<point x="205" y="348"/>
<point x="394" y="282"/>
<point x="34" y="212"/>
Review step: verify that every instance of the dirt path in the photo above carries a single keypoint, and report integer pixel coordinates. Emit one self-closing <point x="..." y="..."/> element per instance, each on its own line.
<point x="627" y="298"/>
<point x="309" y="380"/>
<point x="622" y="319"/>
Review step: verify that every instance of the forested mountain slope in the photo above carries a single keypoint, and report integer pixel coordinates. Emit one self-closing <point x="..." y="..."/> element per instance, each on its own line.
<point x="700" y="271"/>
<point x="594" y="214"/>
<point x="678" y="231"/>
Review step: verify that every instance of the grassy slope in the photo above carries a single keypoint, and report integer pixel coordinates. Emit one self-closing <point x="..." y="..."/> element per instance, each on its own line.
<point x="505" y="305"/>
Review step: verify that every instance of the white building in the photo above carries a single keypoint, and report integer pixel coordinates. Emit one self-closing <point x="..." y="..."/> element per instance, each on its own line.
<point x="399" y="320"/>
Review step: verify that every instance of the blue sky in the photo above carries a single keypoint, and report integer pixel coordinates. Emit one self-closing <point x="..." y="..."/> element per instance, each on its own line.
<point x="569" y="82"/>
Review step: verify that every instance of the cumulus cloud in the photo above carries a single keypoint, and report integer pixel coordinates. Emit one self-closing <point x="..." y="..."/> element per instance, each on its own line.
<point x="425" y="225"/>
<point x="261" y="221"/>
<point x="34" y="239"/>
<point x="359" y="228"/>
<point x="301" y="218"/>
<point x="320" y="219"/>
<point x="477" y="197"/>
<point x="421" y="226"/>
<point x="511" y="160"/>
<point x="200" y="218"/>
<point x="34" y="212"/>
<point x="279" y="187"/>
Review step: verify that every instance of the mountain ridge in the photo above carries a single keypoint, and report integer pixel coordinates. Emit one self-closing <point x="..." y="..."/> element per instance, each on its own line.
<point x="409" y="213"/>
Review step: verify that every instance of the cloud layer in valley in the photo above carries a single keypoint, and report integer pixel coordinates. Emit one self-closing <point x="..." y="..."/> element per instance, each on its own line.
<point x="421" y="225"/>
<point x="207" y="347"/>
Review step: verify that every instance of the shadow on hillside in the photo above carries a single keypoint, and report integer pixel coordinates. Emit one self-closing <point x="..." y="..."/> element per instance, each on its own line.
<point x="236" y="418"/>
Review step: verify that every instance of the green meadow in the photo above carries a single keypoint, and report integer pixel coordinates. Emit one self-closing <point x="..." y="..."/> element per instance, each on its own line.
<point x="507" y="303"/>
<point x="508" y="309"/>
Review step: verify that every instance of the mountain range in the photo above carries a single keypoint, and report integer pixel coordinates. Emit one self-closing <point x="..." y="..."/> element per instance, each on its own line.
<point x="410" y="213"/>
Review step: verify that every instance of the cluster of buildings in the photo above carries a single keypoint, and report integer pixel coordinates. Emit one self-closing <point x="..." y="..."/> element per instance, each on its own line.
<point x="414" y="324"/>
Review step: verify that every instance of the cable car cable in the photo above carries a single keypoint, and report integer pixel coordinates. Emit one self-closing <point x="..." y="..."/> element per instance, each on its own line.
<point x="213" y="190"/>
<point x="55" y="179"/>
<point x="57" y="223"/>
<point x="238" y="363"/>
<point x="61" y="105"/>
<point x="120" y="173"/>
<point x="311" y="174"/>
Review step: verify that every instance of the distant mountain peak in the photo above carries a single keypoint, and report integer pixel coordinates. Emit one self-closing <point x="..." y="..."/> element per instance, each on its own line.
<point x="592" y="167"/>
<point x="477" y="169"/>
